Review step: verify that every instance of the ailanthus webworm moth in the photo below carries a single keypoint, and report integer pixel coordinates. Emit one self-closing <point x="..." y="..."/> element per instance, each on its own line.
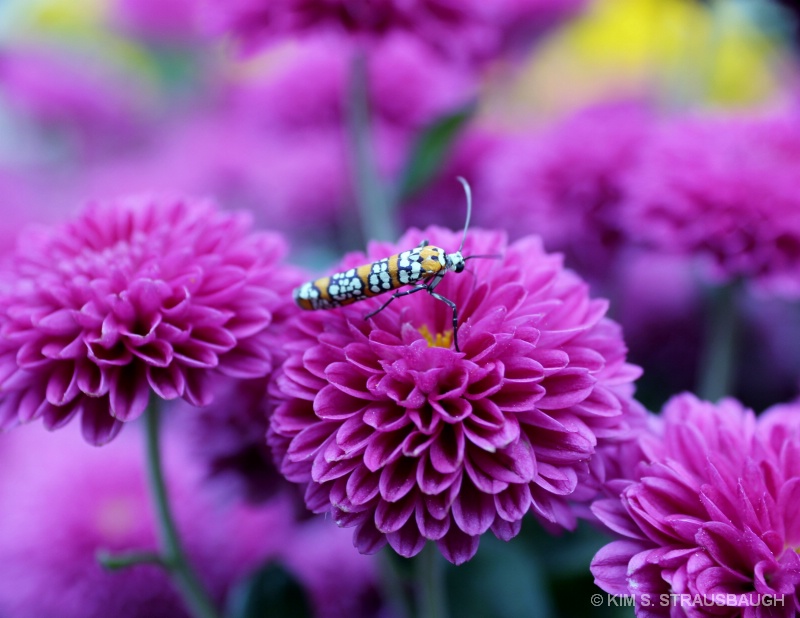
<point x="424" y="267"/>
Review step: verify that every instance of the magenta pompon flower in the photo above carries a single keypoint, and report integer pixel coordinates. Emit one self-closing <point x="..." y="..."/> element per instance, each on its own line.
<point x="465" y="30"/>
<point x="708" y="517"/>
<point x="137" y="296"/>
<point x="724" y="189"/>
<point x="409" y="441"/>
<point x="568" y="182"/>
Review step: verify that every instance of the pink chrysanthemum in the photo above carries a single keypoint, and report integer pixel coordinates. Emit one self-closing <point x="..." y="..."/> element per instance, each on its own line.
<point x="410" y="441"/>
<point x="709" y="513"/>
<point x="724" y="189"/>
<point x="568" y="183"/>
<point x="463" y="29"/>
<point x="135" y="297"/>
<point x="338" y="581"/>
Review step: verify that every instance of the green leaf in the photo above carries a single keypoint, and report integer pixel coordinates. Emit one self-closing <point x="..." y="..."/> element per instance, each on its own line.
<point x="431" y="149"/>
<point x="270" y="592"/>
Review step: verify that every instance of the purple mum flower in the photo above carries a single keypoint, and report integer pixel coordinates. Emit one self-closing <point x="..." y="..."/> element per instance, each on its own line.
<point x="709" y="513"/>
<point x="338" y="581"/>
<point x="409" y="86"/>
<point x="568" y="183"/>
<point x="469" y="30"/>
<point x="138" y="296"/>
<point x="399" y="435"/>
<point x="724" y="189"/>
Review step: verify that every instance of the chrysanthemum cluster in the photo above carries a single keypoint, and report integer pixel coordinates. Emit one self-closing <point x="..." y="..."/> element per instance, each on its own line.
<point x="724" y="188"/>
<point x="708" y="519"/>
<point x="396" y="433"/>
<point x="135" y="297"/>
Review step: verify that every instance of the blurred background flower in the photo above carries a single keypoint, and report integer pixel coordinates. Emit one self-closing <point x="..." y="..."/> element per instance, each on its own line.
<point x="61" y="506"/>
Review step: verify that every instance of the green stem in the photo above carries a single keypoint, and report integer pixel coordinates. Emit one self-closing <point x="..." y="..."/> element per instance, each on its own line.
<point x="392" y="584"/>
<point x="115" y="562"/>
<point x="717" y="364"/>
<point x="173" y="555"/>
<point x="429" y="574"/>
<point x="375" y="207"/>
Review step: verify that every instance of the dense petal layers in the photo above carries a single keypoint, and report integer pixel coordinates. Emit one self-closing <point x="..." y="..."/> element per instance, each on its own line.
<point x="707" y="518"/>
<point x="411" y="442"/>
<point x="136" y="296"/>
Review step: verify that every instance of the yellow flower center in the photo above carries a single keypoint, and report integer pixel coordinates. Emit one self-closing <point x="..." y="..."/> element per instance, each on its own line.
<point x="440" y="340"/>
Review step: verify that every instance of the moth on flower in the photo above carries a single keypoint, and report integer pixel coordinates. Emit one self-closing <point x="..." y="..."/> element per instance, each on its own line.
<point x="424" y="267"/>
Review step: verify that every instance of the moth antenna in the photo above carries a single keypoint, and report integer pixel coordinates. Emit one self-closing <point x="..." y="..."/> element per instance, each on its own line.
<point x="468" y="191"/>
<point x="494" y="256"/>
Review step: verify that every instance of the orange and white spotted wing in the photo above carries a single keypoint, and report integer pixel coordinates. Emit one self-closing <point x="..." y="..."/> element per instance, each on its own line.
<point x="369" y="280"/>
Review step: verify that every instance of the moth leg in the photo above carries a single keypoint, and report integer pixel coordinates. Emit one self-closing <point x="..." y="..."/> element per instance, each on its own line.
<point x="417" y="288"/>
<point x="452" y="306"/>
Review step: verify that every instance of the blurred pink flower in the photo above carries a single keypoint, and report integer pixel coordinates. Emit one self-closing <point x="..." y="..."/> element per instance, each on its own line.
<point x="658" y="301"/>
<point x="277" y="143"/>
<point x="16" y="195"/>
<point x="162" y="20"/>
<point x="61" y="502"/>
<point x="567" y="183"/>
<point x="411" y="442"/>
<point x="89" y="101"/>
<point x="228" y="438"/>
<point x="409" y="86"/>
<point x="339" y="582"/>
<point x="465" y="30"/>
<point x="136" y="296"/>
<point x="724" y="189"/>
<point x="710" y="510"/>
